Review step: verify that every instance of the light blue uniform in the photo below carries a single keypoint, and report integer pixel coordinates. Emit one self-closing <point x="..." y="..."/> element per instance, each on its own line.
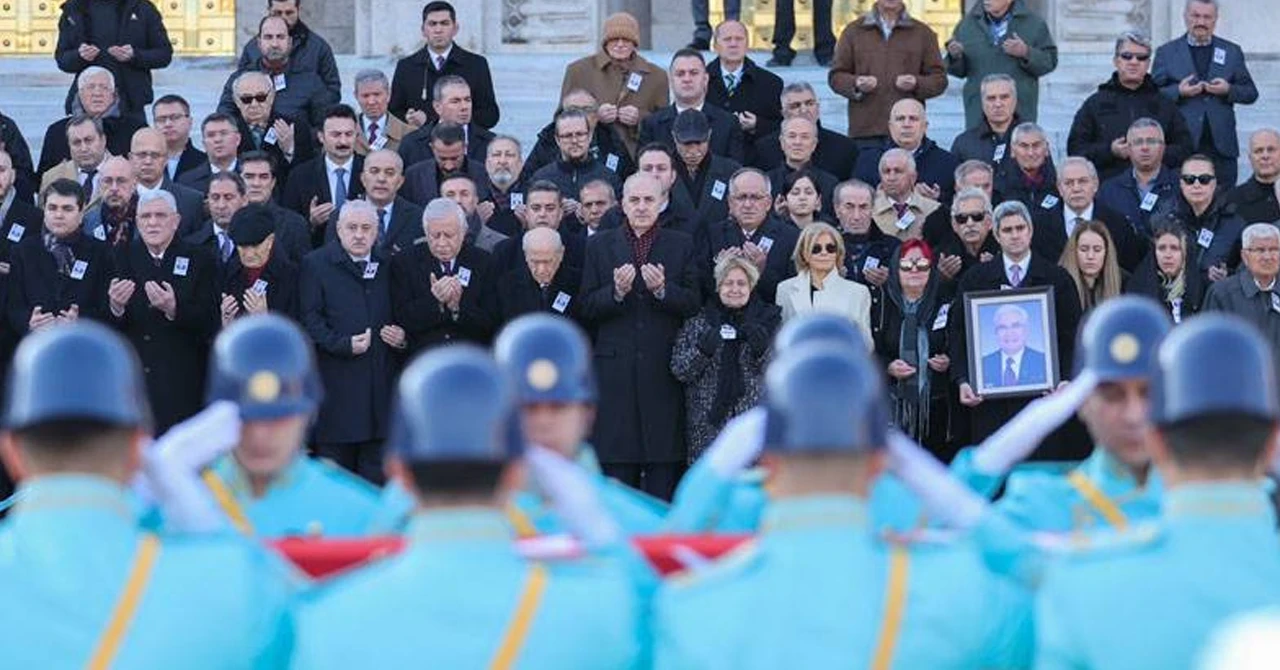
<point x="309" y="497"/>
<point x="450" y="599"/>
<point x="1150" y="597"/>
<point x="636" y="512"/>
<point x="1050" y="502"/>
<point x="811" y="591"/>
<point x="706" y="501"/>
<point x="66" y="554"/>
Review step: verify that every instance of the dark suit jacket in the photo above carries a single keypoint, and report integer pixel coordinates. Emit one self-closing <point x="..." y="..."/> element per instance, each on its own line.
<point x="726" y="134"/>
<point x="404" y="229"/>
<point x="508" y="254"/>
<point x="519" y="294"/>
<point x="174" y="354"/>
<point x="1031" y="370"/>
<point x="338" y="303"/>
<point x="836" y="153"/>
<point x="34" y="281"/>
<point x="190" y="159"/>
<point x="759" y="91"/>
<point x="1255" y="202"/>
<point x="416" y="146"/>
<point x="416" y="75"/>
<point x="139" y="25"/>
<point x="426" y="322"/>
<point x="197" y="177"/>
<point x="1050" y="236"/>
<point x="1174" y="63"/>
<point x="190" y="206"/>
<point x="280" y="277"/>
<point x="311" y="180"/>
<point x="118" y="129"/>
<point x="778" y="265"/>
<point x="23" y="221"/>
<point x="934" y="165"/>
<point x="634" y="339"/>
<point x="422" y="181"/>
<point x="706" y="197"/>
<point x="304" y="144"/>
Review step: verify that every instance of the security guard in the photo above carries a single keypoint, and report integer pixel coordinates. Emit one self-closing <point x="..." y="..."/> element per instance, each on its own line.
<point x="720" y="492"/>
<point x="83" y="585"/>
<point x="1114" y="486"/>
<point x="818" y="587"/>
<point x="1167" y="585"/>
<point x="460" y="596"/>
<point x="267" y="485"/>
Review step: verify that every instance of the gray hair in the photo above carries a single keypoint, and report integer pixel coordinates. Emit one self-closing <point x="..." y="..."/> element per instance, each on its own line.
<point x="1257" y="231"/>
<point x="1145" y="122"/>
<point x="371" y="76"/>
<point x="161" y="195"/>
<point x="1027" y="128"/>
<point x="729" y="263"/>
<point x="896" y="153"/>
<point x="1009" y="209"/>
<point x="534" y="236"/>
<point x="971" y="194"/>
<point x="1188" y="4"/>
<point x="1263" y="131"/>
<point x="1020" y="315"/>
<point x="398" y="160"/>
<point x="247" y="75"/>
<point x="798" y="87"/>
<point x="998" y="78"/>
<point x="361" y="208"/>
<point x="94" y="72"/>
<point x="504" y="138"/>
<point x="797" y="119"/>
<point x="1081" y="161"/>
<point x="437" y="91"/>
<point x="81" y="119"/>
<point x="971" y="166"/>
<point x="837" y="194"/>
<point x="733" y="179"/>
<point x="444" y="208"/>
<point x="1136" y="36"/>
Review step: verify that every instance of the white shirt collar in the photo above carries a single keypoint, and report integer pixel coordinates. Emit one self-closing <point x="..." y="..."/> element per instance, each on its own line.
<point x="143" y="190"/>
<point x="737" y="73"/>
<point x="1069" y="217"/>
<point x="435" y="57"/>
<point x="330" y="166"/>
<point x="1268" y="287"/>
<point x="699" y="106"/>
<point x="214" y="169"/>
<point x="357" y="259"/>
<point x="1022" y="265"/>
<point x="391" y="205"/>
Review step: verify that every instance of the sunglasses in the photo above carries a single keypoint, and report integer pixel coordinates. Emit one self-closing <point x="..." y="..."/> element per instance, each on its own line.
<point x="1204" y="179"/>
<point x="918" y="265"/>
<point x="261" y="97"/>
<point x="829" y="247"/>
<point x="963" y="218"/>
<point x="1129" y="55"/>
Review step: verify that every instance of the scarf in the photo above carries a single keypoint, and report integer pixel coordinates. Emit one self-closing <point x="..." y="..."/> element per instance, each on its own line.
<point x="63" y="256"/>
<point x="910" y="396"/>
<point x="118" y="224"/>
<point x="730" y="386"/>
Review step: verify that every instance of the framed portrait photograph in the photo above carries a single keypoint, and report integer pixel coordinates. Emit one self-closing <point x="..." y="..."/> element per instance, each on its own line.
<point x="1012" y="340"/>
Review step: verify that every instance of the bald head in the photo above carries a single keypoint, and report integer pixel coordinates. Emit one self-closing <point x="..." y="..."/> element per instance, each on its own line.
<point x="907" y="123"/>
<point x="148" y="154"/>
<point x="641" y="198"/>
<point x="116" y="182"/>
<point x="543" y="253"/>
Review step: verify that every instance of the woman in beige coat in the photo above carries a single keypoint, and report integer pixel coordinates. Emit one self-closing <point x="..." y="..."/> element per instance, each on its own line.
<point x="819" y="285"/>
<point x="628" y="87"/>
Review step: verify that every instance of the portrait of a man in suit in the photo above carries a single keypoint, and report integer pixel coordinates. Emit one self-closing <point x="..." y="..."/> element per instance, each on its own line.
<point x="1014" y="362"/>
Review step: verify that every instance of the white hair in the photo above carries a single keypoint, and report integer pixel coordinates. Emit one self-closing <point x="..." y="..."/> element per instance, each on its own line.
<point x="1082" y="162"/>
<point x="354" y="208"/>
<point x="897" y="153"/>
<point x="444" y="208"/>
<point x="1258" y="231"/>
<point x="1020" y="315"/>
<point x="94" y="72"/>
<point x="162" y="195"/>
<point x="244" y="77"/>
<point x="542" y="236"/>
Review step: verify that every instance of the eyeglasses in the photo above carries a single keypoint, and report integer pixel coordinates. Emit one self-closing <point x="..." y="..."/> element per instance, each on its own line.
<point x="169" y="118"/>
<point x="918" y="265"/>
<point x="829" y="247"/>
<point x="968" y="217"/>
<point x="750" y="197"/>
<point x="259" y="97"/>
<point x="1204" y="179"/>
<point x="1129" y="55"/>
<point x="1264" y="251"/>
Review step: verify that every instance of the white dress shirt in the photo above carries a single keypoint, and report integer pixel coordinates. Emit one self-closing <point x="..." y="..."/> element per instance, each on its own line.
<point x="330" y="167"/>
<point x="1022" y="266"/>
<point x="1069" y="218"/>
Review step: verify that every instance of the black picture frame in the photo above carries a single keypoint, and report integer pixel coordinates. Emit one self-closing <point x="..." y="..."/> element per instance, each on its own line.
<point x="1034" y="364"/>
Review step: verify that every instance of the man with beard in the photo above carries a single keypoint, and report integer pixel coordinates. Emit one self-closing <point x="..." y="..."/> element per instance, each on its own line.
<point x="575" y="166"/>
<point x="504" y="166"/>
<point x="448" y="156"/>
<point x="605" y="145"/>
<point x="308" y="51"/>
<point x="300" y="93"/>
<point x="112" y="219"/>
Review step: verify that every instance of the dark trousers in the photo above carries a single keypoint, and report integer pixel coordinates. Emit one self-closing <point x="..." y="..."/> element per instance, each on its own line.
<point x="702" y="16"/>
<point x="784" y="19"/>
<point x="657" y="479"/>
<point x="362" y="458"/>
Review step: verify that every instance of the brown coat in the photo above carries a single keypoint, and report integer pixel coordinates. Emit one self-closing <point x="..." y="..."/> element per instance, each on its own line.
<point x="607" y="81"/>
<point x="396" y="130"/>
<point x="67" y="170"/>
<point x="912" y="48"/>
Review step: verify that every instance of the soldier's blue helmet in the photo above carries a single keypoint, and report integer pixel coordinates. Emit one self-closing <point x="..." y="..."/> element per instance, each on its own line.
<point x="1211" y="365"/>
<point x="547" y="358"/>
<point x="1120" y="338"/>
<point x="813" y="328"/>
<point x="455" y="404"/>
<point x="825" y="397"/>
<point x="81" y="371"/>
<point x="264" y="363"/>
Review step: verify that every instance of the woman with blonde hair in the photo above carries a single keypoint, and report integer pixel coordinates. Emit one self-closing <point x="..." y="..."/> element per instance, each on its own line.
<point x="1090" y="258"/>
<point x="819" y="284"/>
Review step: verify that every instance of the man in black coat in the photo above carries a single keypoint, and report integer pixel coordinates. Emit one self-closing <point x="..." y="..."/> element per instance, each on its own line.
<point x="701" y="184"/>
<point x="836" y="153"/>
<point x="163" y="296"/>
<point x="543" y="283"/>
<point x="171" y="115"/>
<point x="639" y="278"/>
<point x="505" y="186"/>
<point x="689" y="81"/>
<point x="324" y="183"/>
<point x="221" y="135"/>
<point x="544" y="208"/>
<point x="416" y="74"/>
<point x="147" y="156"/>
<point x="1255" y="198"/>
<point x="347" y="311"/>
<point x="750" y="231"/>
<point x="451" y="100"/>
<point x="908" y="130"/>
<point x="13" y="143"/>
<point x="1102" y="122"/>
<point x="128" y="38"/>
<point x="799" y="137"/>
<point x="97" y="99"/>
<point x="1016" y="267"/>
<point x="299" y="93"/>
<point x="1028" y="176"/>
<point x="287" y="139"/>
<point x="442" y="289"/>
<point x="258" y="278"/>
<point x="308" y="51"/>
<point x="575" y="166"/>
<point x="449" y="156"/>
<point x="748" y="91"/>
<point x="606" y="145"/>
<point x="19" y="220"/>
<point x="1078" y="184"/>
<point x="989" y="140"/>
<point x="399" y="221"/>
<point x="293" y="234"/>
<point x="226" y="197"/>
<point x="971" y="242"/>
<point x="868" y="251"/>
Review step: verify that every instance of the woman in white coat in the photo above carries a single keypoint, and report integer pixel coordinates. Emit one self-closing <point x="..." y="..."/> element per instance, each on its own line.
<point x="819" y="285"/>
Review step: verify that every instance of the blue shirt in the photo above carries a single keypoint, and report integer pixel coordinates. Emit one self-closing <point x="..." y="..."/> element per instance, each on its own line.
<point x="1038" y="500"/>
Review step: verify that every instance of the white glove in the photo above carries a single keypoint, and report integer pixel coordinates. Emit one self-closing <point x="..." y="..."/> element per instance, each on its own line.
<point x="738" y="444"/>
<point x="1021" y="435"/>
<point x="944" y="498"/>
<point x="572" y="496"/>
<point x="171" y="468"/>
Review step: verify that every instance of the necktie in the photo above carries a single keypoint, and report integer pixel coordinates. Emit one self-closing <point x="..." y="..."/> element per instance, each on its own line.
<point x="258" y="134"/>
<point x="446" y="268"/>
<point x="382" y="221"/>
<point x="1075" y="223"/>
<point x="156" y="261"/>
<point x="1010" y="377"/>
<point x="361" y="265"/>
<point x="731" y="82"/>
<point x="373" y="133"/>
<point x="339" y="186"/>
<point x="1015" y="275"/>
<point x="440" y="62"/>
<point x="224" y="247"/>
<point x="88" y="183"/>
<point x="900" y="208"/>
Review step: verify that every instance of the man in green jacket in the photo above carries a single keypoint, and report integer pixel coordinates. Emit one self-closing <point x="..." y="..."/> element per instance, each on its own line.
<point x="1001" y="36"/>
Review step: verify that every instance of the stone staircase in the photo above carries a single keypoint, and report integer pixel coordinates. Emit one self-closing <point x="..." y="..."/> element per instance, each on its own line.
<point x="528" y="85"/>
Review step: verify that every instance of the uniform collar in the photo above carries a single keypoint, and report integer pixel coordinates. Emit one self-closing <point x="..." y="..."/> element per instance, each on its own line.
<point x="61" y="493"/>
<point x="459" y="525"/>
<point x="1220" y="501"/>
<point x="235" y="478"/>
<point x="817" y="511"/>
<point x="1114" y="478"/>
